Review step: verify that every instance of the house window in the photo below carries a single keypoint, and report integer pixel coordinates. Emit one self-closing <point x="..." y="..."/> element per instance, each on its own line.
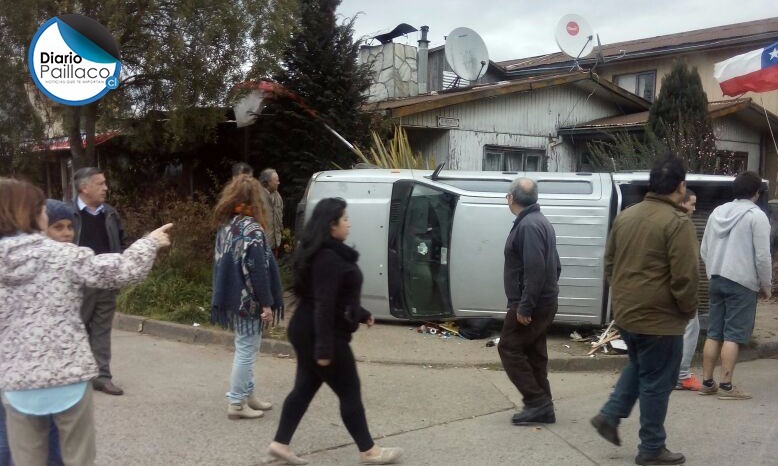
<point x="512" y="159"/>
<point x="642" y="84"/>
<point x="586" y="163"/>
<point x="731" y="163"/>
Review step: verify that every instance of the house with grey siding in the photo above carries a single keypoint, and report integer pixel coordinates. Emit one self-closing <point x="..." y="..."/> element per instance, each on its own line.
<point x="508" y="126"/>
<point x="527" y="115"/>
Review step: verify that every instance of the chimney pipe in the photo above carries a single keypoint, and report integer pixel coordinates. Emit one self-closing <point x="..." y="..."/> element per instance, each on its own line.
<point x="422" y="60"/>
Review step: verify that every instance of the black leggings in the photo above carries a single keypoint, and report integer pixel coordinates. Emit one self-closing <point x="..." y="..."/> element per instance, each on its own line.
<point x="341" y="376"/>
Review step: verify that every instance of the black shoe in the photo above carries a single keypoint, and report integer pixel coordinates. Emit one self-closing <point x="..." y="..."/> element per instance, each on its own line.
<point x="607" y="429"/>
<point x="663" y="457"/>
<point x="107" y="387"/>
<point x="543" y="414"/>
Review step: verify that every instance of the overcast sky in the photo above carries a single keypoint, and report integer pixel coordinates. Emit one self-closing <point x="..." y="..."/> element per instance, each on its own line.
<point x="523" y="28"/>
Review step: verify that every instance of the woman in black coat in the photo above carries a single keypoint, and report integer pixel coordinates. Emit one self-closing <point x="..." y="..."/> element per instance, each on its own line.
<point x="328" y="283"/>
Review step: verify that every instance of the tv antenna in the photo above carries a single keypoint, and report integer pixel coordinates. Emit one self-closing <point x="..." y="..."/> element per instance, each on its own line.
<point x="466" y="54"/>
<point x="574" y="37"/>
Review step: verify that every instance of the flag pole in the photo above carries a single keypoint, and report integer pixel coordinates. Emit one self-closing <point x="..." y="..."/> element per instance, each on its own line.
<point x="772" y="135"/>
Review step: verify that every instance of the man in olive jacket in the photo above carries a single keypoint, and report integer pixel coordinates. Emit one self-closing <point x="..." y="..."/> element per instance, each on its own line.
<point x="651" y="264"/>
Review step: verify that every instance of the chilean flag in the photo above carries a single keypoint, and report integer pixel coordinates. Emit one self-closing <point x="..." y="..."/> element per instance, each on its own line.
<point x="755" y="71"/>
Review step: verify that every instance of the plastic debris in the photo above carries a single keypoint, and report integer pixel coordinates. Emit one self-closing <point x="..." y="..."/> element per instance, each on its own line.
<point x="619" y="344"/>
<point x="443" y="331"/>
<point x="195" y="324"/>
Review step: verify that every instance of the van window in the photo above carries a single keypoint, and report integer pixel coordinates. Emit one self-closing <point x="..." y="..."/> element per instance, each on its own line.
<point x="565" y="187"/>
<point x="426" y="239"/>
<point x="483" y="186"/>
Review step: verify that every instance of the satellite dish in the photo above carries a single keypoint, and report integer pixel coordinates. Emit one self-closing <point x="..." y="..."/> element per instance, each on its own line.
<point x="247" y="108"/>
<point x="466" y="54"/>
<point x="574" y="36"/>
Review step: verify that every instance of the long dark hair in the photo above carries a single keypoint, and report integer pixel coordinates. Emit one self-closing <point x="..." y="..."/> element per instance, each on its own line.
<point x="316" y="232"/>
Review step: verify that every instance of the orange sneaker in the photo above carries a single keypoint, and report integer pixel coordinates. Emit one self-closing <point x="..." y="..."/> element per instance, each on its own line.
<point x="692" y="384"/>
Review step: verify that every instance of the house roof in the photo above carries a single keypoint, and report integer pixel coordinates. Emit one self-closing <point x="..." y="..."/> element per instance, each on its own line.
<point x="762" y="30"/>
<point x="584" y="80"/>
<point x="754" y="113"/>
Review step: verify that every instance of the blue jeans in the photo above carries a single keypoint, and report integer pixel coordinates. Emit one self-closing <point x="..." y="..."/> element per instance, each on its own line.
<point x="649" y="377"/>
<point x="690" y="338"/>
<point x="242" y="377"/>
<point x="55" y="457"/>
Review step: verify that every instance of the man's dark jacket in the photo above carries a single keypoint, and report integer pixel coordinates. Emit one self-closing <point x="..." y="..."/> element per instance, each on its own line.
<point x="113" y="226"/>
<point x="532" y="264"/>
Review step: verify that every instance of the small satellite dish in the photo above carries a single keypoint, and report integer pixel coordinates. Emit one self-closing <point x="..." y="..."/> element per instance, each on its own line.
<point x="574" y="36"/>
<point x="247" y="108"/>
<point x="466" y="54"/>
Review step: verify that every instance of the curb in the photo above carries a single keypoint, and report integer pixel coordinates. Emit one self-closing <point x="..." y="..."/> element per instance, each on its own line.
<point x="206" y="336"/>
<point x="187" y="334"/>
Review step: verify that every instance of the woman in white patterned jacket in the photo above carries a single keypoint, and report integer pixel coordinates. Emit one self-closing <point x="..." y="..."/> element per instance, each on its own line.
<point x="45" y="359"/>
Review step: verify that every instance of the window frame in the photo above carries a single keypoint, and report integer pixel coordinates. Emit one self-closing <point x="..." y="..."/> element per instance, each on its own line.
<point x="525" y="152"/>
<point x="637" y="76"/>
<point x="740" y="158"/>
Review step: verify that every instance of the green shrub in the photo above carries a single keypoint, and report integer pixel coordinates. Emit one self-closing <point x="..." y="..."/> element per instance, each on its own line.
<point x="179" y="287"/>
<point x="169" y="295"/>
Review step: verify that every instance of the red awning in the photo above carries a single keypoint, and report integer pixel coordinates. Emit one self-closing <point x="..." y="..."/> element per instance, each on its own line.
<point x="63" y="142"/>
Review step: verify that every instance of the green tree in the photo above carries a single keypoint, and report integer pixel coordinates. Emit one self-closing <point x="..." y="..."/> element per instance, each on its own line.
<point x="274" y="22"/>
<point x="679" y="119"/>
<point x="320" y="66"/>
<point x="19" y="122"/>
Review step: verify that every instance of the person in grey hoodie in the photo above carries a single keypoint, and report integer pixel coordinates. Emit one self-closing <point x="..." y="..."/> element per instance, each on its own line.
<point x="736" y="251"/>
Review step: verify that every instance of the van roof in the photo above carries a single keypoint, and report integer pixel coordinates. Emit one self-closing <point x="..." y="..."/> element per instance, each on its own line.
<point x="389" y="175"/>
<point x="643" y="176"/>
<point x="385" y="175"/>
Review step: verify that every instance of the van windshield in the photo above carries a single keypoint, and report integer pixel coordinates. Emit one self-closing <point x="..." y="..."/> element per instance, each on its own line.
<point x="426" y="239"/>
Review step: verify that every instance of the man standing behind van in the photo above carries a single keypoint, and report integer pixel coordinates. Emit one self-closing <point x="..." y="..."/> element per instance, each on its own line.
<point x="531" y="278"/>
<point x="274" y="208"/>
<point x="98" y="226"/>
<point x="687" y="380"/>
<point x="736" y="251"/>
<point x="651" y="262"/>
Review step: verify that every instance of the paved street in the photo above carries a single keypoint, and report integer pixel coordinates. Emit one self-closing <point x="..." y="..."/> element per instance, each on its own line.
<point x="174" y="414"/>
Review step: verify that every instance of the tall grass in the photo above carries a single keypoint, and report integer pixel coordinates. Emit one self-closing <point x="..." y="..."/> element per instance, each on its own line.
<point x="397" y="153"/>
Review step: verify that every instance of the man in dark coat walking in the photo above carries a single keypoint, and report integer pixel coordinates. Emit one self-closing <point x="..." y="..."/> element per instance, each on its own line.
<point x="531" y="278"/>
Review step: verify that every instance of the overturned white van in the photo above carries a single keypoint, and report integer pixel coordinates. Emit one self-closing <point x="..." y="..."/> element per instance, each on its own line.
<point x="431" y="243"/>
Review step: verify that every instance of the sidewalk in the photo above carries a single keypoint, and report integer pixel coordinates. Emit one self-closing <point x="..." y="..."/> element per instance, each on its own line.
<point x="400" y="343"/>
